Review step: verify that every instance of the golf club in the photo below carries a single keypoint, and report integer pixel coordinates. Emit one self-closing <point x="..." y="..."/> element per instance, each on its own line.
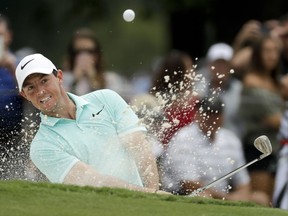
<point x="262" y="143"/>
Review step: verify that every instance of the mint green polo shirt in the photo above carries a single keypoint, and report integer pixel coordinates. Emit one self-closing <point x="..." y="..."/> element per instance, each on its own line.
<point x="102" y="117"/>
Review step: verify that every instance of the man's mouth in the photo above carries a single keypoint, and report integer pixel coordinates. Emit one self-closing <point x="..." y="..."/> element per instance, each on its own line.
<point x="45" y="100"/>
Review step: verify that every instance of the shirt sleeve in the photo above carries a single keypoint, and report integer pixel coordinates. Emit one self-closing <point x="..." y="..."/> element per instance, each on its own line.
<point x="125" y="119"/>
<point x="53" y="162"/>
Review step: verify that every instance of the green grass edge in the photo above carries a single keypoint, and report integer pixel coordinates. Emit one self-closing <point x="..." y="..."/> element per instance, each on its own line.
<point x="26" y="187"/>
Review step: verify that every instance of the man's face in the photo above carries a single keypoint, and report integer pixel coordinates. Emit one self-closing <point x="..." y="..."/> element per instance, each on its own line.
<point x="44" y="91"/>
<point x="219" y="72"/>
<point x="210" y="123"/>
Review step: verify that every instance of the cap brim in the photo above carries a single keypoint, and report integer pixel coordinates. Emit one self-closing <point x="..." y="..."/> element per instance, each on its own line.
<point x="28" y="73"/>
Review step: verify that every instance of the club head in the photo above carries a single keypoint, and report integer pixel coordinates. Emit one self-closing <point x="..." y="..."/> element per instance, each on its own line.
<point x="263" y="144"/>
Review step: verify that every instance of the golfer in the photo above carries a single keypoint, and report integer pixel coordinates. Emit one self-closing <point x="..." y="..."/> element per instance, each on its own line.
<point x="93" y="140"/>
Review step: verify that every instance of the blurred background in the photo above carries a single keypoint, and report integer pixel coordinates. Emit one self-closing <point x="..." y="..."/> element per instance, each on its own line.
<point x="130" y="47"/>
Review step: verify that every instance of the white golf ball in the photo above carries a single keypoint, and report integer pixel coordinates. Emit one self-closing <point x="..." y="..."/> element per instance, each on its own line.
<point x="128" y="15"/>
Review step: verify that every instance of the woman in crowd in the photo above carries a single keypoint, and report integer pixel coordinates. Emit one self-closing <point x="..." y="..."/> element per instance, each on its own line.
<point x="85" y="69"/>
<point x="261" y="108"/>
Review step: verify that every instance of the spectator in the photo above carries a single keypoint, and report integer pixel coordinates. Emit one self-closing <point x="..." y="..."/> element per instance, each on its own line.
<point x="204" y="151"/>
<point x="281" y="32"/>
<point x="218" y="81"/>
<point x="11" y="105"/>
<point x="261" y="109"/>
<point x="172" y="87"/>
<point x="280" y="193"/>
<point x="85" y="67"/>
<point x="93" y="140"/>
<point x="249" y="33"/>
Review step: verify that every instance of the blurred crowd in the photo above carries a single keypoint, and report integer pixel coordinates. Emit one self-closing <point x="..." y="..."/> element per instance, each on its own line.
<point x="202" y="115"/>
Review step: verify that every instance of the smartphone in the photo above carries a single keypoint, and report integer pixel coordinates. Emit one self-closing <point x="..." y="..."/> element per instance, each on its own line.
<point x="1" y="46"/>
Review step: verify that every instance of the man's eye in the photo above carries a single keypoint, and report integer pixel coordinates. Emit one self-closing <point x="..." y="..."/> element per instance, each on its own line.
<point x="29" y="88"/>
<point x="44" y="80"/>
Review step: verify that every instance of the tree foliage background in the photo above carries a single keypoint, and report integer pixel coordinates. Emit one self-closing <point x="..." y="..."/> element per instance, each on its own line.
<point x="160" y="25"/>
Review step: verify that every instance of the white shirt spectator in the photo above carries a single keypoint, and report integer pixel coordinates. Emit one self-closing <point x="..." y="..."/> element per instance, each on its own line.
<point x="191" y="156"/>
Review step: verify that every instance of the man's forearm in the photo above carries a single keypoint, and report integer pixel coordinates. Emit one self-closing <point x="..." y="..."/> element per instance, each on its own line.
<point x="149" y="172"/>
<point x="83" y="175"/>
<point x="141" y="150"/>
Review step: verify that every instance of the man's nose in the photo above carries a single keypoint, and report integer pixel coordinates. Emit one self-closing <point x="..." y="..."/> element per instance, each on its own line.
<point x="40" y="90"/>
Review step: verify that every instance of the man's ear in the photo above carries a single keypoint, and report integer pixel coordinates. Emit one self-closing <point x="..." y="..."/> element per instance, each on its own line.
<point x="23" y="95"/>
<point x="60" y="75"/>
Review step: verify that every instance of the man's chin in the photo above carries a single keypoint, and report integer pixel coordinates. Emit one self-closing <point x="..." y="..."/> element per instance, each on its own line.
<point x="47" y="110"/>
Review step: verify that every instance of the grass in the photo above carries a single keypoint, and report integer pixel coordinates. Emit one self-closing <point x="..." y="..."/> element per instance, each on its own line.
<point x="27" y="198"/>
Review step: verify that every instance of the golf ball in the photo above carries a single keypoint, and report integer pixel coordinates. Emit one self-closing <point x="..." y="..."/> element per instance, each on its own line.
<point x="128" y="15"/>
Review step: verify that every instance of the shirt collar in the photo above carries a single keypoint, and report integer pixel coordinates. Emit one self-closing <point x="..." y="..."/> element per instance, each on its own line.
<point x="79" y="102"/>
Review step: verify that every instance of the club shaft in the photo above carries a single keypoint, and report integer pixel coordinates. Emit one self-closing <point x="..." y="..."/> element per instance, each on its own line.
<point x="199" y="190"/>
